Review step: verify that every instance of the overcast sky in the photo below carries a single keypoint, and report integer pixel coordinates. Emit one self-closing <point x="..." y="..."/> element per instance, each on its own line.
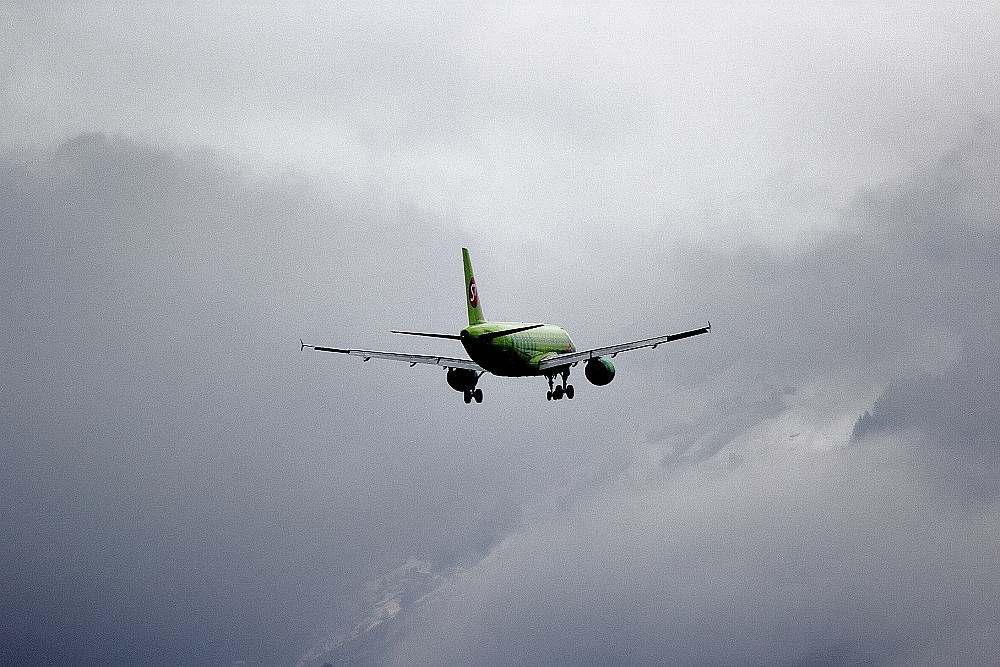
<point x="187" y="191"/>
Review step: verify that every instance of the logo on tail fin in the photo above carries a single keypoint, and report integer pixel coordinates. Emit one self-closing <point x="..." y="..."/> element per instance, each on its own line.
<point x="473" y="294"/>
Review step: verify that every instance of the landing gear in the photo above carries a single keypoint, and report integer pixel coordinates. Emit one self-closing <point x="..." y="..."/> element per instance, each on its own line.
<point x="557" y="392"/>
<point x="464" y="380"/>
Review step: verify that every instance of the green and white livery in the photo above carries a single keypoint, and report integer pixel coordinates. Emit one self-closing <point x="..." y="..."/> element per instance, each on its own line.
<point x="513" y="349"/>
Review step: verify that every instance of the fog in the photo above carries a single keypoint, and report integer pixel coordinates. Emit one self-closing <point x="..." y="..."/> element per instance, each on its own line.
<point x="185" y="194"/>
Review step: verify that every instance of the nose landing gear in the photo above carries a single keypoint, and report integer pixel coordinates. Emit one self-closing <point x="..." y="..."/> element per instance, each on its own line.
<point x="556" y="393"/>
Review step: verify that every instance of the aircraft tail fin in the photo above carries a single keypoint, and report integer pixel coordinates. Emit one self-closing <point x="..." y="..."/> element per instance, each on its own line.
<point x="471" y="292"/>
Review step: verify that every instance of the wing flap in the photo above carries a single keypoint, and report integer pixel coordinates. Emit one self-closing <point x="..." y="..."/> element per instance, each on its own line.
<point x="612" y="350"/>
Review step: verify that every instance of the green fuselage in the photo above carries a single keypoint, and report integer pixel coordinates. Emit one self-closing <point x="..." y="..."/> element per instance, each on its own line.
<point x="514" y="354"/>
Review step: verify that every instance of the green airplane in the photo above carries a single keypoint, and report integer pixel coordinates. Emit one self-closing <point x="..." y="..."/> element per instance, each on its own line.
<point x="513" y="349"/>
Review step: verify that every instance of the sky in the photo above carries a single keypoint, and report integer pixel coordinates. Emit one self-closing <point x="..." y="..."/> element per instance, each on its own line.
<point x="187" y="191"/>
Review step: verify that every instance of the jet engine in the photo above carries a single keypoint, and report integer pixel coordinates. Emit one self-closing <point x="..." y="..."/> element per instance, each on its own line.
<point x="462" y="379"/>
<point x="599" y="371"/>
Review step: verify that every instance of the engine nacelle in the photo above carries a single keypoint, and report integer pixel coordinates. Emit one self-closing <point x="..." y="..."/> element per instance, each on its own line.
<point x="599" y="371"/>
<point x="462" y="379"/>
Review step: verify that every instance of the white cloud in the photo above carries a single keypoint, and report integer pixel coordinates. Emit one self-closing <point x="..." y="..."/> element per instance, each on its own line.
<point x="554" y="122"/>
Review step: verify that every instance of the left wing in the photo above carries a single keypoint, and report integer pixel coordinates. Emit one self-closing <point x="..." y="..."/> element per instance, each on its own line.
<point x="412" y="359"/>
<point x="612" y="350"/>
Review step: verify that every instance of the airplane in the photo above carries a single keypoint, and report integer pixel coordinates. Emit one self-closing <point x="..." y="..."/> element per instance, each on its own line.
<point x="512" y="349"/>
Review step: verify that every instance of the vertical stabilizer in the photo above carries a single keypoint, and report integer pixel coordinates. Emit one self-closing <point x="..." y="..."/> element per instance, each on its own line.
<point x="471" y="292"/>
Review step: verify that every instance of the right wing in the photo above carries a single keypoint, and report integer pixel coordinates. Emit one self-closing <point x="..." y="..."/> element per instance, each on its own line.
<point x="412" y="359"/>
<point x="559" y="360"/>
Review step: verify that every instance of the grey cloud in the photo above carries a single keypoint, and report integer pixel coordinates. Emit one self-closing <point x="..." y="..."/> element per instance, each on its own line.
<point x="171" y="457"/>
<point x="748" y="549"/>
<point x="180" y="483"/>
<point x="956" y="413"/>
<point x="949" y="240"/>
<point x="845" y="558"/>
<point x="692" y="443"/>
<point x="543" y="121"/>
<point x="906" y="288"/>
<point x="139" y="487"/>
<point x="705" y="534"/>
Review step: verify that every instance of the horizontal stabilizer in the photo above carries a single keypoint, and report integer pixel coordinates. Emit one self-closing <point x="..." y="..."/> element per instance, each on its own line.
<point x="496" y="334"/>
<point x="429" y="335"/>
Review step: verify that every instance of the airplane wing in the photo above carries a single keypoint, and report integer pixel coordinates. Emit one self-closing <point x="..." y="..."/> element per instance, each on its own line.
<point x="412" y="359"/>
<point x="612" y="350"/>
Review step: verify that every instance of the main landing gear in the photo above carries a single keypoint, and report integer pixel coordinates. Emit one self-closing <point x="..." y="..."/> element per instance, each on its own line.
<point x="464" y="380"/>
<point x="554" y="394"/>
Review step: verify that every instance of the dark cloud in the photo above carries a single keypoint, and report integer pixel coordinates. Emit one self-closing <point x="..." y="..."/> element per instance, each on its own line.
<point x="904" y="296"/>
<point x="178" y="486"/>
<point x="183" y="485"/>
<point x="945" y="244"/>
<point x="140" y="486"/>
<point x="719" y="539"/>
<point x="956" y="415"/>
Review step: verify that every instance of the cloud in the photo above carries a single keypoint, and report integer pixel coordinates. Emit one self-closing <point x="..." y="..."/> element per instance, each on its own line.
<point x="948" y="234"/>
<point x="170" y="498"/>
<point x="782" y="560"/>
<point x="749" y="531"/>
<point x="550" y="123"/>
<point x="154" y="473"/>
<point x="710" y="511"/>
<point x="185" y="193"/>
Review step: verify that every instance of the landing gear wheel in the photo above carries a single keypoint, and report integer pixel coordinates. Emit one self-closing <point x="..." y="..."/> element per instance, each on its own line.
<point x="468" y="396"/>
<point x="569" y="392"/>
<point x="478" y="395"/>
<point x="548" y="396"/>
<point x="557" y="393"/>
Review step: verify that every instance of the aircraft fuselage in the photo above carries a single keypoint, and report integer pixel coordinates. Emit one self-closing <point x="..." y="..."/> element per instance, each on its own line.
<point x="515" y="354"/>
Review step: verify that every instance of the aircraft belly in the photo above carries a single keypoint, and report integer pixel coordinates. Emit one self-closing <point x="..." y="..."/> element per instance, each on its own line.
<point x="506" y="362"/>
